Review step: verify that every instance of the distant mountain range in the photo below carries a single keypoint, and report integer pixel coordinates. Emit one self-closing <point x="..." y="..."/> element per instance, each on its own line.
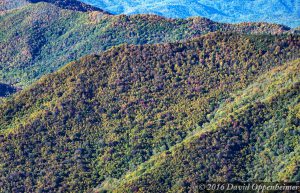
<point x="42" y="36"/>
<point x="276" y="11"/>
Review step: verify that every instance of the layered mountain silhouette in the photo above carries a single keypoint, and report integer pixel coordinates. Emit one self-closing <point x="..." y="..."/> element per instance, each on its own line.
<point x="39" y="38"/>
<point x="276" y="11"/>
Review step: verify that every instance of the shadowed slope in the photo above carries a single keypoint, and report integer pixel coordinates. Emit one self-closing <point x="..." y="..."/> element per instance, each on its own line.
<point x="6" y="90"/>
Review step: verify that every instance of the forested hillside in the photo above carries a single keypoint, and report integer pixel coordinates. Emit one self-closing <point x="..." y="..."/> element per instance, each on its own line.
<point x="253" y="136"/>
<point x="70" y="5"/>
<point x="6" y="5"/>
<point x="171" y="107"/>
<point x="41" y="37"/>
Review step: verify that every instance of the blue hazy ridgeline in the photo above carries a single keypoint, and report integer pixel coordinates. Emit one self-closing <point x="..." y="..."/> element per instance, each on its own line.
<point x="285" y="12"/>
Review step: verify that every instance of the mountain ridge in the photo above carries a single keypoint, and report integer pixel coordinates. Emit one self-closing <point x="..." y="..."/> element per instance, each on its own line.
<point x="65" y="4"/>
<point x="71" y="5"/>
<point x="282" y="12"/>
<point x="103" y="115"/>
<point x="34" y="43"/>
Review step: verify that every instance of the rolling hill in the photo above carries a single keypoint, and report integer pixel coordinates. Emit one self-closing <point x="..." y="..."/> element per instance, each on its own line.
<point x="285" y="12"/>
<point x="38" y="38"/>
<point x="157" y="117"/>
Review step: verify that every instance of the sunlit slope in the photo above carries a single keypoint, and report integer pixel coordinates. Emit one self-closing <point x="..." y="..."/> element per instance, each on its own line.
<point x="101" y="116"/>
<point x="253" y="136"/>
